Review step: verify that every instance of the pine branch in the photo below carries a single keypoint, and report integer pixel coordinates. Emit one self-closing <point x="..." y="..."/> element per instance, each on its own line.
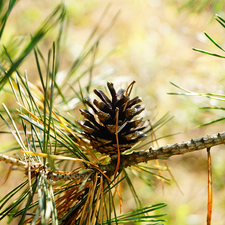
<point x="165" y="151"/>
<point x="132" y="158"/>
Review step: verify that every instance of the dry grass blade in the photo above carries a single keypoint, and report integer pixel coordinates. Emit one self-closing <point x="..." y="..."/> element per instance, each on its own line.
<point x="173" y="177"/>
<point x="7" y="175"/>
<point x="98" y="206"/>
<point x="210" y="191"/>
<point x="117" y="143"/>
<point x="85" y="214"/>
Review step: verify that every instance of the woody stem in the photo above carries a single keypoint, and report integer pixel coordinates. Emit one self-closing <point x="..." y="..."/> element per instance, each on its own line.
<point x="166" y="151"/>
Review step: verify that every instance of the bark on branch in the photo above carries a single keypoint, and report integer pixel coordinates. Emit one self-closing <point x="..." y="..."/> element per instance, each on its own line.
<point x="165" y="151"/>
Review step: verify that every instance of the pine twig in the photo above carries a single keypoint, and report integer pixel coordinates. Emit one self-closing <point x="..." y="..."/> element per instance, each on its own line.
<point x="165" y="151"/>
<point x="36" y="168"/>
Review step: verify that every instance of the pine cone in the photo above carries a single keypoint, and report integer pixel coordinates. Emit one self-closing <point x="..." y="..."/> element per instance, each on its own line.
<point x="111" y="116"/>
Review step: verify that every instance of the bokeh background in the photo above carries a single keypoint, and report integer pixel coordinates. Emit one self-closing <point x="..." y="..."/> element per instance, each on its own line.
<point x="150" y="42"/>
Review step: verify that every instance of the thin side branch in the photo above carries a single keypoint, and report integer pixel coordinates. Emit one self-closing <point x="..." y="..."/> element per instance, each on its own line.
<point x="36" y="168"/>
